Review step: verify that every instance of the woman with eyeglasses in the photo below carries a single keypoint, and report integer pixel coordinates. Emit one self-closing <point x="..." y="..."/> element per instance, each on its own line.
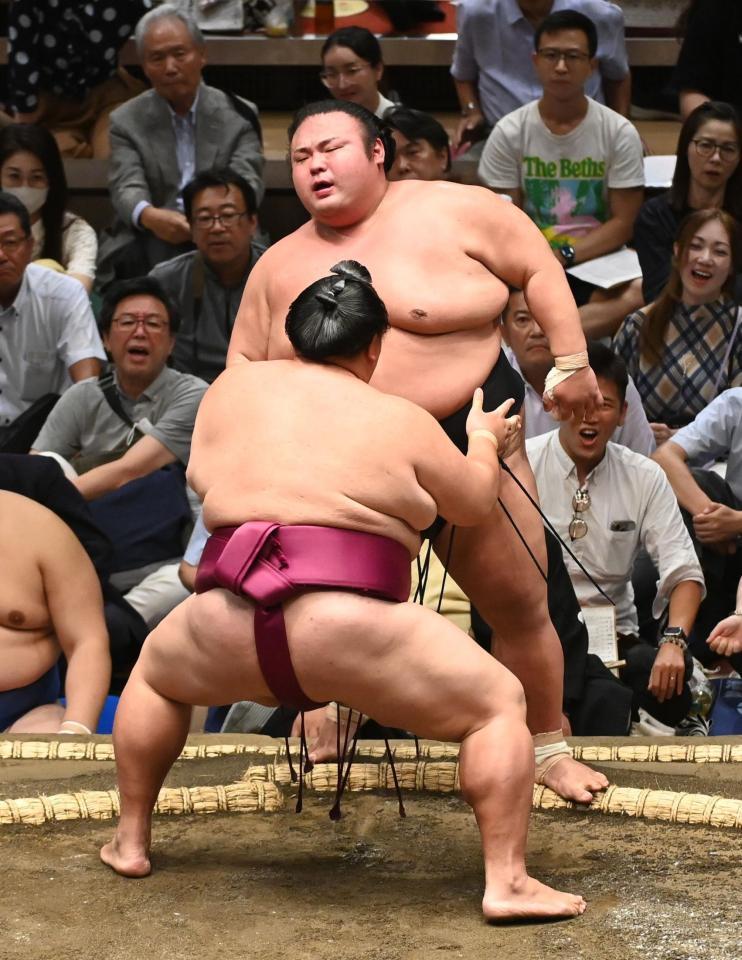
<point x="352" y="68"/>
<point x="707" y="174"/>
<point x="31" y="169"/>
<point x="686" y="347"/>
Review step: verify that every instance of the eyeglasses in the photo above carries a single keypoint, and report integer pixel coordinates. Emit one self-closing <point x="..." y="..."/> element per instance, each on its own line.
<point x="11" y="244"/>
<point x="205" y="221"/>
<point x="151" y="322"/>
<point x="331" y="77"/>
<point x="580" y="503"/>
<point x="571" y="57"/>
<point x="707" y="148"/>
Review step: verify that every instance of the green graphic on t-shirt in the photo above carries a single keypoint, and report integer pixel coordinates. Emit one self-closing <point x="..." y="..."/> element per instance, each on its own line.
<point x="565" y="197"/>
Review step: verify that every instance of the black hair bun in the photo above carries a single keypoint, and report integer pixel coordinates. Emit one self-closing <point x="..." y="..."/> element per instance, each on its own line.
<point x="352" y="270"/>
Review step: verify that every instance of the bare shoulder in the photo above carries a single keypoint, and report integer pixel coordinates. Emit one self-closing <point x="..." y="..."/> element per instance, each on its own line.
<point x="37" y="525"/>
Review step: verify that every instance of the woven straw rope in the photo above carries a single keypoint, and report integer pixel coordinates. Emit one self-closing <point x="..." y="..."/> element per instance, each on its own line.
<point x="246" y="797"/>
<point x="628" y="753"/>
<point x="443" y="777"/>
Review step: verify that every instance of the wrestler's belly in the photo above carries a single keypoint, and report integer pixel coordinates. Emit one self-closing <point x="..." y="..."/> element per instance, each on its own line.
<point x="25" y="655"/>
<point x="438" y="372"/>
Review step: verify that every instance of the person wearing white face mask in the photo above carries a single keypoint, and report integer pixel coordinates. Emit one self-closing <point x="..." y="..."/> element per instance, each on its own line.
<point x="31" y="169"/>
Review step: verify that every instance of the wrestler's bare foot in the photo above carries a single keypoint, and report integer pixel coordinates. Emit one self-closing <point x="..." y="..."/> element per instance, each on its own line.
<point x="573" y="780"/>
<point x="529" y="901"/>
<point x="128" y="858"/>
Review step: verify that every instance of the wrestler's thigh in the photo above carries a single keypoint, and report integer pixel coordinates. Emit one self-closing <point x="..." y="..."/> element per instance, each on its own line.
<point x="490" y="562"/>
<point x="203" y="652"/>
<point x="402" y="664"/>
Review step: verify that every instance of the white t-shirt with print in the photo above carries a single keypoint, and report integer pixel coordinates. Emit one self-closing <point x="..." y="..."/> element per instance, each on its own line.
<point x="564" y="178"/>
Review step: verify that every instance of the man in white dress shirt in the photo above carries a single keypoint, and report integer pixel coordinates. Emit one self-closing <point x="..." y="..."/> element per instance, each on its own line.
<point x="608" y="502"/>
<point x="529" y="354"/>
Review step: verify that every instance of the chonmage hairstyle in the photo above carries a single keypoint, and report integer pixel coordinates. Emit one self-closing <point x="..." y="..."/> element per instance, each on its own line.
<point x="371" y="127"/>
<point x="32" y="138"/>
<point x="336" y="316"/>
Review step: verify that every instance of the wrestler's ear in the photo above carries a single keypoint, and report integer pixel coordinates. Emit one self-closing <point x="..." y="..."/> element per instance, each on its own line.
<point x="373" y="350"/>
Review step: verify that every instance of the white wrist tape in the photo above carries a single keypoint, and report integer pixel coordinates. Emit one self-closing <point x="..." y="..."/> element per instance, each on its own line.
<point x="563" y="369"/>
<point x="75" y="727"/>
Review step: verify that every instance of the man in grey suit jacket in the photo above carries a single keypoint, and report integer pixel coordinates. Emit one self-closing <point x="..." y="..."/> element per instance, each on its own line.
<point x="161" y="139"/>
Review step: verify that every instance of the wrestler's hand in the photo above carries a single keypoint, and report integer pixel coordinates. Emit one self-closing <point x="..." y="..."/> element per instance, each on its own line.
<point x="505" y="429"/>
<point x="577" y="396"/>
<point x="726" y="637"/>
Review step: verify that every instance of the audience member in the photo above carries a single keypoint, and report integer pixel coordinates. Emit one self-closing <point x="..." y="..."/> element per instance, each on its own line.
<point x="48" y="336"/>
<point x="163" y="138"/>
<point x="51" y="605"/>
<point x="62" y="68"/>
<point x="712" y="504"/>
<point x="529" y="355"/>
<point x="726" y="638"/>
<point x="352" y="68"/>
<point x="685" y="348"/>
<point x="609" y="502"/>
<point x="205" y="285"/>
<point x="493" y="66"/>
<point x="31" y="169"/>
<point x="709" y="65"/>
<point x="41" y="479"/>
<point x="117" y="435"/>
<point x="707" y="175"/>
<point x="423" y="151"/>
<point x="575" y="166"/>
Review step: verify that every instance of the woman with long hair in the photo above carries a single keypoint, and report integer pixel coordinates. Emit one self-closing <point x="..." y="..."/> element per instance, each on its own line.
<point x="31" y="169"/>
<point x="686" y="347"/>
<point x="707" y="174"/>
<point x="352" y="68"/>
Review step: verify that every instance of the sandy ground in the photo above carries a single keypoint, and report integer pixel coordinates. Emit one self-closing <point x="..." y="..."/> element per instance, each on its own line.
<point x="371" y="887"/>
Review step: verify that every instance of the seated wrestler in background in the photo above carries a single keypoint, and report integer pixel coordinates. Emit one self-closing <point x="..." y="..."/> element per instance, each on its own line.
<point x="50" y="604"/>
<point x="376" y="474"/>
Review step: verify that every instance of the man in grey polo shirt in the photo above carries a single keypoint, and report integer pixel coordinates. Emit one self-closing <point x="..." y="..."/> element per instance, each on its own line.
<point x="139" y="326"/>
<point x="206" y="284"/>
<point x="712" y="504"/>
<point x="48" y="336"/>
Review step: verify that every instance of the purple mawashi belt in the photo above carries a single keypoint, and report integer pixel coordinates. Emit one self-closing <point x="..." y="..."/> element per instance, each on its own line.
<point x="269" y="563"/>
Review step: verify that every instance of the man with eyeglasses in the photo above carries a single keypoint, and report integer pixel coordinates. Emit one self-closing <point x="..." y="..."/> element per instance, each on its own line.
<point x="574" y="165"/>
<point x="48" y="336"/>
<point x="206" y="284"/>
<point x="608" y="503"/>
<point x="139" y="326"/>
<point x="492" y="66"/>
<point x="162" y="138"/>
<point x="112" y="434"/>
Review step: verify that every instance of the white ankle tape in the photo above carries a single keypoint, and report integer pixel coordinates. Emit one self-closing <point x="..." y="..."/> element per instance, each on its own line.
<point x="331" y="712"/>
<point x="549" y="749"/>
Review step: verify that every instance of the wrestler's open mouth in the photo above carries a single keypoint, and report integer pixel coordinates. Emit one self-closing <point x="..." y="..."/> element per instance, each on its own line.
<point x="321" y="186"/>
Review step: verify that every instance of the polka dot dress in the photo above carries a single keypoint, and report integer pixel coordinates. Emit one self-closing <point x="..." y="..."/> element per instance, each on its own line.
<point x="64" y="46"/>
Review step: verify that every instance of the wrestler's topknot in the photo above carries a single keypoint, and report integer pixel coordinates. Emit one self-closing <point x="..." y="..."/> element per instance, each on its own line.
<point x="337" y="316"/>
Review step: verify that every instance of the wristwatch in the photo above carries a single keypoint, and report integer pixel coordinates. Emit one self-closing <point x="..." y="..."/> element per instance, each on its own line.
<point x="676" y="636"/>
<point x="568" y="253"/>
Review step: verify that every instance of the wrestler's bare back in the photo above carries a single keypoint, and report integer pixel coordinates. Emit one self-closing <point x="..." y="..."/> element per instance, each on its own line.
<point x="28" y="645"/>
<point x="440" y="256"/>
<point x="383" y="465"/>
